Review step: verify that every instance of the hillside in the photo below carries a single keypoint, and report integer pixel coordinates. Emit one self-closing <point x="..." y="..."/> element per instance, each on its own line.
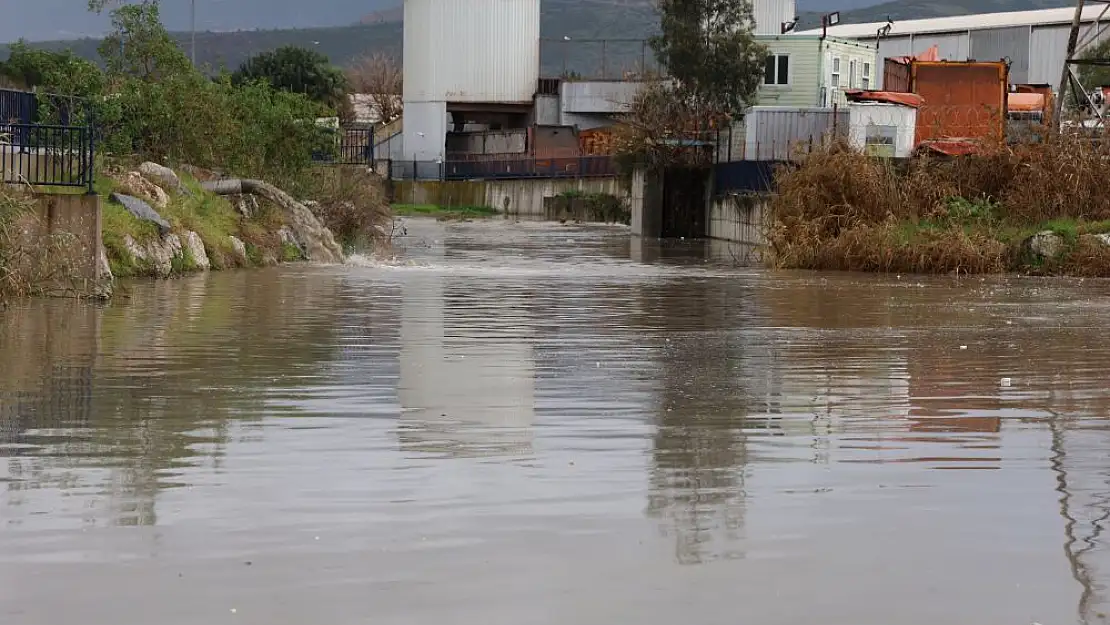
<point x="577" y="19"/>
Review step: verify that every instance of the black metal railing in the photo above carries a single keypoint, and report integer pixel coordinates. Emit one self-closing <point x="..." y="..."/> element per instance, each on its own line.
<point x="17" y="107"/>
<point x="744" y="177"/>
<point x="531" y="167"/>
<point x="347" y="145"/>
<point x="37" y="154"/>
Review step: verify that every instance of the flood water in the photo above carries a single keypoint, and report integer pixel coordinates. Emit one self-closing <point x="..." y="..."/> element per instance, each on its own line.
<point x="541" y="424"/>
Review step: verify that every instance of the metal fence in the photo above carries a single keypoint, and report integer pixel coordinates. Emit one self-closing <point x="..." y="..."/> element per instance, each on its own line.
<point x="38" y="154"/>
<point x="531" y="167"/>
<point x="780" y="133"/>
<point x="17" y="107"/>
<point x="744" y="177"/>
<point x="351" y="145"/>
<point x="598" y="59"/>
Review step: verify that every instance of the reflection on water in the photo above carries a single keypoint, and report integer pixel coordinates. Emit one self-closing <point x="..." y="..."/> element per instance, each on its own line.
<point x="547" y="424"/>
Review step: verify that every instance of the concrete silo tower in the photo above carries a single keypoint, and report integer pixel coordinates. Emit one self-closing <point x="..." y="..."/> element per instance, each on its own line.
<point x="475" y="60"/>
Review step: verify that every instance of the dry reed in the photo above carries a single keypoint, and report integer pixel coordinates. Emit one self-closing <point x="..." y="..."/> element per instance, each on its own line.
<point x="840" y="209"/>
<point x="352" y="203"/>
<point x="31" y="261"/>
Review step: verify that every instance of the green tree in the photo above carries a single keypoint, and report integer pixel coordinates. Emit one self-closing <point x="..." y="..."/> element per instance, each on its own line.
<point x="297" y="70"/>
<point x="139" y="45"/>
<point x="62" y="73"/>
<point x="65" y="83"/>
<point x="708" y="49"/>
<point x="1095" y="76"/>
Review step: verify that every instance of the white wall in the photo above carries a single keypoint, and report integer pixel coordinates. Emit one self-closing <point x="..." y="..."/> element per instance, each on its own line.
<point x="770" y="14"/>
<point x="848" y="52"/>
<point x="425" y="130"/>
<point x="597" y="96"/>
<point x="739" y="218"/>
<point x="869" y="117"/>
<point x="471" y="50"/>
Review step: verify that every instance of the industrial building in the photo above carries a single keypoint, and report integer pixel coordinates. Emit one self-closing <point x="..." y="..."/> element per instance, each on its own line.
<point x="472" y="84"/>
<point x="1034" y="42"/>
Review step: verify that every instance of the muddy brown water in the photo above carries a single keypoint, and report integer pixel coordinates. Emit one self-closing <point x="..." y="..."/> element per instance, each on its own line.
<point x="545" y="424"/>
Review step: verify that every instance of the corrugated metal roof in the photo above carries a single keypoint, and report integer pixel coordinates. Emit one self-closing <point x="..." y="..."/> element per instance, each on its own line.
<point x="911" y="100"/>
<point x="982" y="21"/>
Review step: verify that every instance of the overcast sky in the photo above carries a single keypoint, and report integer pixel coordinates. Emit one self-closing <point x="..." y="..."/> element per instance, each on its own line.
<point x="64" y="19"/>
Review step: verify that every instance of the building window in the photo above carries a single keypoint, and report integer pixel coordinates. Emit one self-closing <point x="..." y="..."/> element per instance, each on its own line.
<point x="777" y="70"/>
<point x="866" y="75"/>
<point x="835" y="82"/>
<point x="852" y="74"/>
<point x="880" y="140"/>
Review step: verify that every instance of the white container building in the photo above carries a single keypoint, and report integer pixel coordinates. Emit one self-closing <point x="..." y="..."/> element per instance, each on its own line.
<point x="882" y="129"/>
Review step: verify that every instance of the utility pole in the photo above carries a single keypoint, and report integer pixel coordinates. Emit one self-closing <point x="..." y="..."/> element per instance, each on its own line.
<point x="193" y="31"/>
<point x="1073" y="38"/>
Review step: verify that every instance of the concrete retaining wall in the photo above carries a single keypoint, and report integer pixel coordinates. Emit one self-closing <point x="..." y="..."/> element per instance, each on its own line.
<point x="740" y="218"/>
<point x="79" y="216"/>
<point x="520" y="198"/>
<point x="646" y="204"/>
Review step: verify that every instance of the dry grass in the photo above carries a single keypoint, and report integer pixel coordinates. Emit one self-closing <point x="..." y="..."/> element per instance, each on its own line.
<point x="839" y="209"/>
<point x="351" y="202"/>
<point x="32" y="262"/>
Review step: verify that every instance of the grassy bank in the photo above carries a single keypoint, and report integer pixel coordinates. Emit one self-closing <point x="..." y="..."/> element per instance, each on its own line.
<point x="211" y="217"/>
<point x="235" y="231"/>
<point x="1030" y="209"/>
<point x="444" y="213"/>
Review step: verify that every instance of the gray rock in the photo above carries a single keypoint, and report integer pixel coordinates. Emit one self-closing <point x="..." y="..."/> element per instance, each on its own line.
<point x="142" y="210"/>
<point x="163" y="252"/>
<point x="1045" y="244"/>
<point x="288" y="238"/>
<point x="163" y="176"/>
<point x="318" y="242"/>
<point x="247" y="205"/>
<point x="192" y="242"/>
<point x="240" y="250"/>
<point x="1103" y="238"/>
<point x="159" y="254"/>
<point x="104" y="268"/>
<point x="133" y="248"/>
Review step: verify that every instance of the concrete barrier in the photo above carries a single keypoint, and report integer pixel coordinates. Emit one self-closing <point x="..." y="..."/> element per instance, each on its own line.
<point x="518" y="198"/>
<point x="740" y="218"/>
<point x="77" y="215"/>
<point x="647" y="204"/>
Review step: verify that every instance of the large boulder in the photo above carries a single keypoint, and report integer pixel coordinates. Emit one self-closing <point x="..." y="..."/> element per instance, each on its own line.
<point x="246" y="204"/>
<point x="317" y="241"/>
<point x="1045" y="245"/>
<point x="142" y="210"/>
<point x="132" y="183"/>
<point x="288" y="238"/>
<point x="163" y="176"/>
<point x="158" y="254"/>
<point x="191" y="241"/>
<point x="239" y="249"/>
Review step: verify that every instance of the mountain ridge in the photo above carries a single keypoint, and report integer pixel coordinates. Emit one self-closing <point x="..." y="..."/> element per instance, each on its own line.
<point x="380" y="30"/>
